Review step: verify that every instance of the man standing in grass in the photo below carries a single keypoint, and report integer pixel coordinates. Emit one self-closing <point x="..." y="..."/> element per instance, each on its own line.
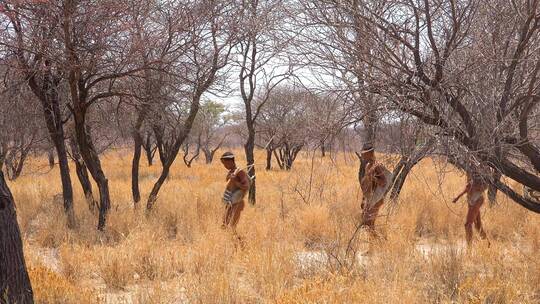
<point x="235" y="190"/>
<point x="475" y="188"/>
<point x="374" y="184"/>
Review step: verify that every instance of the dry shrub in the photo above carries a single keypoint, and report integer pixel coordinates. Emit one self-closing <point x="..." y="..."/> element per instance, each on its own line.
<point x="115" y="269"/>
<point x="425" y="221"/>
<point x="269" y="271"/>
<point x="446" y="274"/>
<point x="212" y="276"/>
<point x="343" y="289"/>
<point x="157" y="262"/>
<point x="313" y="225"/>
<point x="179" y="253"/>
<point x="51" y="288"/>
<point x="52" y="232"/>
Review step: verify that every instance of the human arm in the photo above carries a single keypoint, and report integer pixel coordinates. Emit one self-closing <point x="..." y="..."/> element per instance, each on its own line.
<point x="241" y="180"/>
<point x="462" y="193"/>
<point x="377" y="172"/>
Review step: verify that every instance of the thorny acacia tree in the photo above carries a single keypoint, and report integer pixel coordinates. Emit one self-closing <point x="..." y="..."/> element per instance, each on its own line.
<point x="283" y="124"/>
<point x="20" y="125"/>
<point x="261" y="51"/>
<point x="334" y="43"/>
<point x="162" y="35"/>
<point x="30" y="32"/>
<point x="470" y="70"/>
<point x="208" y="134"/>
<point x="95" y="62"/>
<point x="212" y="34"/>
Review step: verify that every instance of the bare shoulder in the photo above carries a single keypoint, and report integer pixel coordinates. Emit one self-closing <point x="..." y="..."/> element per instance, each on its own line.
<point x="241" y="173"/>
<point x="378" y="167"/>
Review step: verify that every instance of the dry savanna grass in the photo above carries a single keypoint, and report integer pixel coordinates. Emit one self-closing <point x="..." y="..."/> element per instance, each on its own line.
<point x="296" y="241"/>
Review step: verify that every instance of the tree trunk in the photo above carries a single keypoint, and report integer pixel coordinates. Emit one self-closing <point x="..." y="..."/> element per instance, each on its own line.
<point x="92" y="162"/>
<point x="86" y="185"/>
<point x="189" y="160"/>
<point x="368" y="138"/>
<point x="137" y="141"/>
<point x="167" y="163"/>
<point x="268" y="159"/>
<point x="67" y="188"/>
<point x="492" y="189"/>
<point x="50" y="155"/>
<point x="82" y="174"/>
<point x="323" y="149"/>
<point x="15" y="164"/>
<point x="208" y="156"/>
<point x="15" y="286"/>
<point x="172" y="151"/>
<point x="250" y="158"/>
<point x="152" y="198"/>
<point x="148" y="150"/>
<point x="399" y="180"/>
<point x="3" y="154"/>
<point x="405" y="165"/>
<point x="47" y="94"/>
<point x="51" y="109"/>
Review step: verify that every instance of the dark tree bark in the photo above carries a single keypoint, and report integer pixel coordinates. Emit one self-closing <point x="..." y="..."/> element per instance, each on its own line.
<point x="208" y="156"/>
<point x="137" y="145"/>
<point x="405" y="165"/>
<point x="15" y="284"/>
<point x="16" y="157"/>
<point x="93" y="164"/>
<point x="50" y="155"/>
<point x="50" y="101"/>
<point x="287" y="155"/>
<point x="168" y="153"/>
<point x="161" y="146"/>
<point x="368" y="138"/>
<point x="82" y="174"/>
<point x="15" y="163"/>
<point x="249" y="148"/>
<point x="149" y="149"/>
<point x="492" y="189"/>
<point x="3" y="154"/>
<point x="269" y="152"/>
<point x="189" y="160"/>
<point x="44" y="85"/>
<point x="81" y="99"/>
<point x="209" y="153"/>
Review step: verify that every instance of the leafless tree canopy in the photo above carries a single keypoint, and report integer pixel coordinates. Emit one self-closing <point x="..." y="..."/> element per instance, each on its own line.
<point x="457" y="79"/>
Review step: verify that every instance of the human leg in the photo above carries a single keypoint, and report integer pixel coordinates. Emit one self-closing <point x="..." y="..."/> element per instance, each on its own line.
<point x="369" y="214"/>
<point x="480" y="228"/>
<point x="227" y="214"/>
<point x="235" y="213"/>
<point x="472" y="215"/>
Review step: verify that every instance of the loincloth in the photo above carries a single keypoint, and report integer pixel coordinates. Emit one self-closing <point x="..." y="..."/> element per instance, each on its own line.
<point x="231" y="197"/>
<point x="474" y="198"/>
<point x="378" y="192"/>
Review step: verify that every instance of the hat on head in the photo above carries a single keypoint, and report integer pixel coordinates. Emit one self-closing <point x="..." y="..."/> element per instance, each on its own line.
<point x="368" y="147"/>
<point x="227" y="155"/>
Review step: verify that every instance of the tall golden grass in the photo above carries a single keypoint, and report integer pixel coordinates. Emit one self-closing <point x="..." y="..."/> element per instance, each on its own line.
<point x="296" y="240"/>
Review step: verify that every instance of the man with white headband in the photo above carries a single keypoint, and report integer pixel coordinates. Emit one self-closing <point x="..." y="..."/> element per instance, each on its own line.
<point x="235" y="190"/>
<point x="374" y="185"/>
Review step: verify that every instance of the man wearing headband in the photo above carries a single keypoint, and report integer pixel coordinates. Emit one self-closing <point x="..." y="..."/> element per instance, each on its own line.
<point x="235" y="190"/>
<point x="374" y="185"/>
